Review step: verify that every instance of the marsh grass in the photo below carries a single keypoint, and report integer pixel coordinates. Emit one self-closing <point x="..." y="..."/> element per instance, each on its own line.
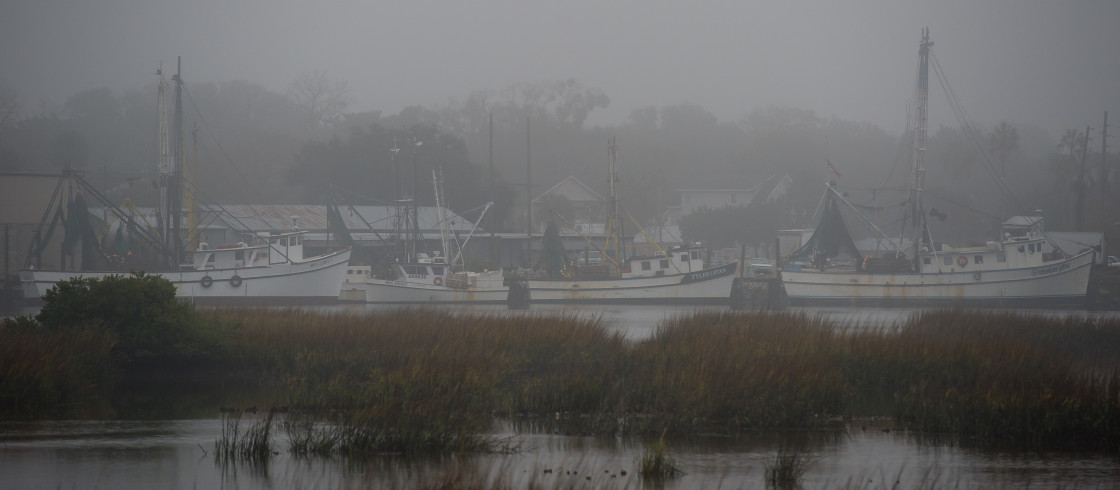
<point x="786" y="469"/>
<point x="48" y="374"/>
<point x="656" y="464"/>
<point x="417" y="380"/>
<point x="254" y="444"/>
<point x="421" y="380"/>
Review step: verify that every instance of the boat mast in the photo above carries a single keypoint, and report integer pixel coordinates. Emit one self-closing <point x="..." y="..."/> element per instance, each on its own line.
<point x="441" y="213"/>
<point x="615" y="222"/>
<point x="165" y="161"/>
<point x="919" y="171"/>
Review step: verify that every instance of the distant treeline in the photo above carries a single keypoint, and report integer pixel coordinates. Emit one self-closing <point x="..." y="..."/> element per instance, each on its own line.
<point x="304" y="146"/>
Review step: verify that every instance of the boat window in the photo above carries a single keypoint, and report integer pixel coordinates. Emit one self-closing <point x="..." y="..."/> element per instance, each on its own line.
<point x="979" y="259"/>
<point x="437" y="270"/>
<point x="665" y="264"/>
<point x="297" y="240"/>
<point x="695" y="255"/>
<point x="684" y="258"/>
<point x="1001" y="257"/>
<point x="1030" y="248"/>
<point x="645" y="265"/>
<point x="946" y="260"/>
<point x="926" y="260"/>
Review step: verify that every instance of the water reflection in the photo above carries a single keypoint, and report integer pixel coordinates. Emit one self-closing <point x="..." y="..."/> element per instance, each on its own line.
<point x="179" y="454"/>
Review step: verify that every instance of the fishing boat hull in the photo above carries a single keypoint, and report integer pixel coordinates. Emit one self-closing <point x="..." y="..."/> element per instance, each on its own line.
<point x="318" y="279"/>
<point x="708" y="286"/>
<point x="1058" y="282"/>
<point x="487" y="288"/>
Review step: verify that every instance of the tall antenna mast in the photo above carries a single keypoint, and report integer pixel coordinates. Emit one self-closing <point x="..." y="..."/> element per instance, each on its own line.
<point x="615" y="222"/>
<point x="919" y="170"/>
<point x="174" y="184"/>
<point x="165" y="163"/>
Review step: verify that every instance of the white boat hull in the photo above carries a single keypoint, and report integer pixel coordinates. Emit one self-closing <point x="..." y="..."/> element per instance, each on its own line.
<point x="317" y="279"/>
<point x="1059" y="281"/>
<point x="405" y="292"/>
<point x="707" y="286"/>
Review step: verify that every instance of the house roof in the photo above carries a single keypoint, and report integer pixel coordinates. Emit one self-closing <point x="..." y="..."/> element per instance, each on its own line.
<point x="572" y="189"/>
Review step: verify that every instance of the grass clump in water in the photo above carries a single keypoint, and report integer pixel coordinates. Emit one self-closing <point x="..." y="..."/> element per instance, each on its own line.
<point x="656" y="464"/>
<point x="253" y="445"/>
<point x="786" y="469"/>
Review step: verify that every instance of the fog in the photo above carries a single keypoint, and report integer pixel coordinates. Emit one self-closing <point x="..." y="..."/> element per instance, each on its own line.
<point x="1049" y="64"/>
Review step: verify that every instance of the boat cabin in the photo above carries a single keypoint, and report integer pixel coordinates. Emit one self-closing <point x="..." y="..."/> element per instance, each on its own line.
<point x="271" y="249"/>
<point x="1024" y="245"/>
<point x="680" y="260"/>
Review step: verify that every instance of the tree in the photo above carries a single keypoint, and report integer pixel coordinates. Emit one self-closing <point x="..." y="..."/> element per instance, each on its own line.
<point x="553" y="256"/>
<point x="1003" y="141"/>
<point x="150" y="324"/>
<point x="70" y="150"/>
<point x="755" y="224"/>
<point x="9" y="106"/>
<point x="321" y="99"/>
<point x="366" y="164"/>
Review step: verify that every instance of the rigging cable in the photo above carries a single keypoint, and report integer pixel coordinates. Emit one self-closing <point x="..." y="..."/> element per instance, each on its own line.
<point x="248" y="184"/>
<point x="970" y="133"/>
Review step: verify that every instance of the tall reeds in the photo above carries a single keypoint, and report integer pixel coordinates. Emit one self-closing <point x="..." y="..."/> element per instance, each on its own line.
<point x="50" y="374"/>
<point x="415" y="380"/>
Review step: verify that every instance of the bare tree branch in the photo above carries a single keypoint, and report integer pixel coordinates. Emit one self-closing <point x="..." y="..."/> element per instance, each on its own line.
<point x="321" y="99"/>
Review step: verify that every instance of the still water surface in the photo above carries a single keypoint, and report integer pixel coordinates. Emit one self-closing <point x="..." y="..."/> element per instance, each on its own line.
<point x="178" y="454"/>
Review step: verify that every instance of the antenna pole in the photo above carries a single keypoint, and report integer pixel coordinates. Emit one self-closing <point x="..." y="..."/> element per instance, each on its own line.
<point x="919" y="170"/>
<point x="1104" y="156"/>
<point x="1081" y="180"/>
<point x="490" y="219"/>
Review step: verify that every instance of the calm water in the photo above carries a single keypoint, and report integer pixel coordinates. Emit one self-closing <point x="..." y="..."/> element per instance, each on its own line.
<point x="174" y="454"/>
<point x="177" y="454"/>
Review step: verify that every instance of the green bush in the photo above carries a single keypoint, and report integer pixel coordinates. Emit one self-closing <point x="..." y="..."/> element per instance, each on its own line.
<point x="149" y="323"/>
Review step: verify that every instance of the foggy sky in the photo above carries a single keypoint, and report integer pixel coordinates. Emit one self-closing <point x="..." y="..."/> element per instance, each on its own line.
<point x="1055" y="64"/>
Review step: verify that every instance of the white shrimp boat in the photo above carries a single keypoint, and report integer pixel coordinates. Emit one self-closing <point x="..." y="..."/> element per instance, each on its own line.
<point x="1022" y="267"/>
<point x="272" y="270"/>
<point x="428" y="278"/>
<point x="265" y="267"/>
<point x="679" y="276"/>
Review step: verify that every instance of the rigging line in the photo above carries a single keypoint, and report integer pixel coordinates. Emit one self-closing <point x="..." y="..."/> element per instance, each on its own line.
<point x="222" y="210"/>
<point x="970" y="133"/>
<point x="248" y="184"/>
<point x="897" y="247"/>
<point x="360" y="195"/>
<point x="970" y="208"/>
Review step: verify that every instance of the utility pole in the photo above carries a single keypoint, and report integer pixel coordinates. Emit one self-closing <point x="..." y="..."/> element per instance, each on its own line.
<point x="1081" y="180"/>
<point x="490" y="218"/>
<point x="1104" y="157"/>
<point x="528" y="195"/>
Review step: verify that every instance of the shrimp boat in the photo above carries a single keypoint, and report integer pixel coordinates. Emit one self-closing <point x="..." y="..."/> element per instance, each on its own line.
<point x="678" y="276"/>
<point x="428" y="277"/>
<point x="259" y="268"/>
<point x="1023" y="266"/>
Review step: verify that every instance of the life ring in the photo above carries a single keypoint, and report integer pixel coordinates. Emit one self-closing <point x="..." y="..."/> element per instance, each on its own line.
<point x="235" y="280"/>
<point x="962" y="261"/>
<point x="206" y="281"/>
<point x="438" y="281"/>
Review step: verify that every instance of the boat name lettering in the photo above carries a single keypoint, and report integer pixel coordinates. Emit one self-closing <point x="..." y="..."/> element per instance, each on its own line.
<point x="701" y="275"/>
<point x="1050" y="270"/>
